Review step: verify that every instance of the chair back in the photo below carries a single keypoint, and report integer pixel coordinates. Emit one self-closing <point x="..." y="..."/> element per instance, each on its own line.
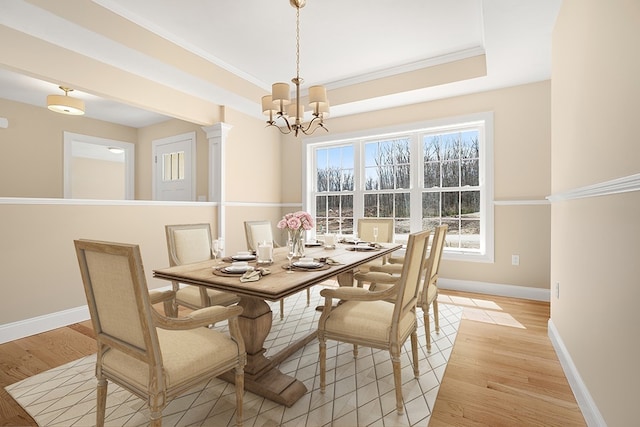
<point x="188" y="243"/>
<point x="118" y="299"/>
<point x="385" y="229"/>
<point x="409" y="284"/>
<point x="256" y="232"/>
<point x="435" y="255"/>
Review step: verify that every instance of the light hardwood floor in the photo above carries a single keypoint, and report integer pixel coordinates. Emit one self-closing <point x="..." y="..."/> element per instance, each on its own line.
<point x="503" y="370"/>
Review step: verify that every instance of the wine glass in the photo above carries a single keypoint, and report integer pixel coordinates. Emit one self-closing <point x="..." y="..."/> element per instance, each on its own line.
<point x="221" y="246"/>
<point x="375" y="234"/>
<point x="215" y="247"/>
<point x="356" y="239"/>
<point x="290" y="255"/>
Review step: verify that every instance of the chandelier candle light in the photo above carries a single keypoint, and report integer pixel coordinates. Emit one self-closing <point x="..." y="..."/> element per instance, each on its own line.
<point x="279" y="102"/>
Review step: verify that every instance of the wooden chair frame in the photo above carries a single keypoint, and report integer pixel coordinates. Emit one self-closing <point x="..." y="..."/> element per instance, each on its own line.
<point x="402" y="321"/>
<point x="106" y="267"/>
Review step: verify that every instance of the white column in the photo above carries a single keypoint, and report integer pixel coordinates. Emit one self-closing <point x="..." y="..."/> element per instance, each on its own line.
<point x="217" y="136"/>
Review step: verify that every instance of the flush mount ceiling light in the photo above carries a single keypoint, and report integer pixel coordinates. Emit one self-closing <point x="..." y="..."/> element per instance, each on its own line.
<point x="116" y="150"/>
<point x="65" y="104"/>
<point x="293" y="115"/>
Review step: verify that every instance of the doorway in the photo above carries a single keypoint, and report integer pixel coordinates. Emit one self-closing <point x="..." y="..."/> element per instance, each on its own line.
<point x="174" y="168"/>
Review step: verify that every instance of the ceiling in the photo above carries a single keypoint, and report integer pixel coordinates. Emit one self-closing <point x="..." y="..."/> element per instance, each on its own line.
<point x="342" y="43"/>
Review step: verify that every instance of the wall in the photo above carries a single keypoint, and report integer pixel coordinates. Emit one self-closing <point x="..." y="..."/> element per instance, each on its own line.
<point x="144" y="159"/>
<point x="595" y="229"/>
<point x="34" y="141"/>
<point x="522" y="164"/>
<point x="253" y="173"/>
<point x="97" y="179"/>
<point x="40" y="271"/>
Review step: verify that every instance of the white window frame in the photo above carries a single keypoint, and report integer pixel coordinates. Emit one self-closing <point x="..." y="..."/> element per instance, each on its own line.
<point x="487" y="228"/>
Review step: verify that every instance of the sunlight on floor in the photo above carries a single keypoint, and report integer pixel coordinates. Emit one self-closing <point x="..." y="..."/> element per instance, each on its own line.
<point x="481" y="311"/>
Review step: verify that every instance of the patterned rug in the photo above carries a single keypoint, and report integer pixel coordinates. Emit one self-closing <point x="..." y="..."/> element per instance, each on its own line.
<point x="361" y="390"/>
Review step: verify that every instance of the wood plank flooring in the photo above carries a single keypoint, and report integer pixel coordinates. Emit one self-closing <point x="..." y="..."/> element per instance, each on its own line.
<point x="503" y="370"/>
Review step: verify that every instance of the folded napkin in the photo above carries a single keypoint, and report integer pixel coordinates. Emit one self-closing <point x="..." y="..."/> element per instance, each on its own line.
<point x="330" y="261"/>
<point x="250" y="276"/>
<point x="254" y="275"/>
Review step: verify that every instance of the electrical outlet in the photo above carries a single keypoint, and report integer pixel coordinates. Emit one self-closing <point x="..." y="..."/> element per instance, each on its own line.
<point x="558" y="290"/>
<point x="515" y="259"/>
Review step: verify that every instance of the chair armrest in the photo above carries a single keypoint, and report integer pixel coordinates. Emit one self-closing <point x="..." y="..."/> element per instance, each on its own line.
<point x="160" y="296"/>
<point x="387" y="268"/>
<point x="395" y="260"/>
<point x="357" y="294"/>
<point x="198" y="318"/>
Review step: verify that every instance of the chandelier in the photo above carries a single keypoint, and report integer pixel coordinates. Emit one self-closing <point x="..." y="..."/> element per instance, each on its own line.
<point x="278" y="105"/>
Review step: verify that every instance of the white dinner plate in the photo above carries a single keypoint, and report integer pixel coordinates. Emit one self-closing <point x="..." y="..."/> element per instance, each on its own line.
<point x="363" y="248"/>
<point x="237" y="269"/>
<point x="243" y="257"/>
<point x="307" y="264"/>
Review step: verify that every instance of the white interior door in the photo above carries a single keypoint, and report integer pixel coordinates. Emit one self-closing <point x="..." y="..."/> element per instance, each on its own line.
<point x="174" y="167"/>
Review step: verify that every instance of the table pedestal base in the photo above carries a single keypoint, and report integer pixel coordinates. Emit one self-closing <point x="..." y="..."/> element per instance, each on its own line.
<point x="261" y="375"/>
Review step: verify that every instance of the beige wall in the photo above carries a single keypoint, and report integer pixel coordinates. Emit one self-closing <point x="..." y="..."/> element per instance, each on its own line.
<point x="144" y="159"/>
<point x="97" y="179"/>
<point x="40" y="271"/>
<point x="594" y="249"/>
<point x="263" y="175"/>
<point x="522" y="164"/>
<point x="34" y="141"/>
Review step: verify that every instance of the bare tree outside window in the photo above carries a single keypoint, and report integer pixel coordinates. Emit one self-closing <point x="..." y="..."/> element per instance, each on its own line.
<point x="451" y="178"/>
<point x="334" y="192"/>
<point x="387" y="173"/>
<point x="431" y="172"/>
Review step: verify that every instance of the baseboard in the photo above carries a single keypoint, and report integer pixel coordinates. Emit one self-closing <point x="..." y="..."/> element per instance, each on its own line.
<point x="587" y="406"/>
<point x="47" y="322"/>
<point x="513" y="291"/>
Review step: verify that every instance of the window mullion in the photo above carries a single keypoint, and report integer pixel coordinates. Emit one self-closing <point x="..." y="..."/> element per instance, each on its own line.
<point x="417" y="183"/>
<point x="358" y="184"/>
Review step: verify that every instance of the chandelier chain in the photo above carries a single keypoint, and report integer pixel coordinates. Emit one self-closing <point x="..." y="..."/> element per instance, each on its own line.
<point x="298" y="42"/>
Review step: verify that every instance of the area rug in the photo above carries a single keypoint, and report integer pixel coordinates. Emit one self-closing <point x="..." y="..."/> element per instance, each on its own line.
<point x="359" y="391"/>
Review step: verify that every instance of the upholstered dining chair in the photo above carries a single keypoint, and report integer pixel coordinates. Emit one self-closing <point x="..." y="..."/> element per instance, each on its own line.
<point x="384" y="276"/>
<point x="188" y="243"/>
<point x="261" y="231"/>
<point x="153" y="356"/>
<point x="379" y="319"/>
<point x="366" y="233"/>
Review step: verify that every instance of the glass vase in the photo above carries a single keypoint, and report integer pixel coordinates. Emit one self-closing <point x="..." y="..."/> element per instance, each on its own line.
<point x="296" y="237"/>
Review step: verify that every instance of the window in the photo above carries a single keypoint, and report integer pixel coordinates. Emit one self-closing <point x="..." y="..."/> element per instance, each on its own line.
<point x="387" y="171"/>
<point x="422" y="175"/>
<point x="451" y="185"/>
<point x="173" y="166"/>
<point x="334" y="168"/>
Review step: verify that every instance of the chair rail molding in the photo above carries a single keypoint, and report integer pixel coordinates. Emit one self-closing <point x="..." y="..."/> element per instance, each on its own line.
<point x="605" y="188"/>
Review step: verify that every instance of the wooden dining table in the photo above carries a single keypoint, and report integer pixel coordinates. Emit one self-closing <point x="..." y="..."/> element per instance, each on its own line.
<point x="262" y="375"/>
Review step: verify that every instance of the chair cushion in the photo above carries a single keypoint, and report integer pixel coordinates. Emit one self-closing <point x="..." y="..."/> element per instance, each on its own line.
<point x="190" y="295"/>
<point x="367" y="321"/>
<point x="186" y="355"/>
